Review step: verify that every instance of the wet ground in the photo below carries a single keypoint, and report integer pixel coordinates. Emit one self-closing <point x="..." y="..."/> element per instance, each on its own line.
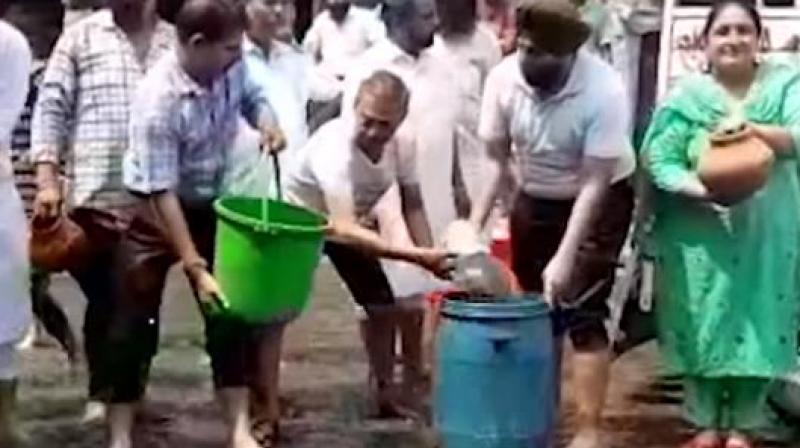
<point x="323" y="378"/>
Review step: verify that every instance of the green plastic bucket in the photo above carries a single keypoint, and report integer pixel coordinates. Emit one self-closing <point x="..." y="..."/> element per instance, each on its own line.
<point x="266" y="255"/>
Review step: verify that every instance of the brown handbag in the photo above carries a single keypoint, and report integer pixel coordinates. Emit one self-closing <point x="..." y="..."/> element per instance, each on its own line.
<point x="57" y="244"/>
<point x="736" y="164"/>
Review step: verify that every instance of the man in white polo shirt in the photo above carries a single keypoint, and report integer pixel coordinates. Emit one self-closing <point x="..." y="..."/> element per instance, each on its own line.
<point x="562" y="113"/>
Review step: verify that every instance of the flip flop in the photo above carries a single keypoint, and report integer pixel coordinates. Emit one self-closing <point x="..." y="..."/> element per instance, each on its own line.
<point x="266" y="433"/>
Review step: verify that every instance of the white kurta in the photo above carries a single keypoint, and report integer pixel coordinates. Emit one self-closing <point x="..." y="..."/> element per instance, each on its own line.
<point x="15" y="305"/>
<point x="335" y="47"/>
<point x="472" y="58"/>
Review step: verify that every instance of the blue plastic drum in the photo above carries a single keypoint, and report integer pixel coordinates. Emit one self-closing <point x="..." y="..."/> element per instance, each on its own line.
<point x="496" y="382"/>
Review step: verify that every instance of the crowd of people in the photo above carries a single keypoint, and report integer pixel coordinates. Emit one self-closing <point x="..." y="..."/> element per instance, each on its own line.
<point x="394" y="120"/>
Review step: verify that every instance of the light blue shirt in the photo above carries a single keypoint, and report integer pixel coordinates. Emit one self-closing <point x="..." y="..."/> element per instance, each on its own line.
<point x="282" y="78"/>
<point x="181" y="132"/>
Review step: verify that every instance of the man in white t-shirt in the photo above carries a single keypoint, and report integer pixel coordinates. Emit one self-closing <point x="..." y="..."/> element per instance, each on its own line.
<point x="409" y="52"/>
<point x="343" y="171"/>
<point x="562" y="113"/>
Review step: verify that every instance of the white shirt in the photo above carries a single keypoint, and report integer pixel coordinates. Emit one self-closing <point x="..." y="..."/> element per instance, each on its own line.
<point x="15" y="305"/>
<point x="475" y="56"/>
<point x="472" y="57"/>
<point x="551" y="136"/>
<point x="336" y="46"/>
<point x="375" y="11"/>
<point x="15" y="55"/>
<point x="333" y="177"/>
<point x="282" y="77"/>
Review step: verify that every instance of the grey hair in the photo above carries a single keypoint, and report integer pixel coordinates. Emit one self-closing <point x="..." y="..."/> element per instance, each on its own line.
<point x="387" y="85"/>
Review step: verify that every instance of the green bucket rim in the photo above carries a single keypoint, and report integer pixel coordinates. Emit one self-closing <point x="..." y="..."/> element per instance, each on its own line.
<point x="259" y="226"/>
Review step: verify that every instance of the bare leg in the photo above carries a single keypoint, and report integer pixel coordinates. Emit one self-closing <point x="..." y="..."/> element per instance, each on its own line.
<point x="236" y="406"/>
<point x="414" y="387"/>
<point x="265" y="399"/>
<point x="590" y="376"/>
<point x="379" y="335"/>
<point x="411" y="331"/>
<point x="429" y="327"/>
<point x="120" y="419"/>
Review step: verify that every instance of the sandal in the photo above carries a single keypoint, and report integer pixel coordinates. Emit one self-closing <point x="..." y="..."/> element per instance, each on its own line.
<point x="267" y="433"/>
<point x="705" y="439"/>
<point x="389" y="405"/>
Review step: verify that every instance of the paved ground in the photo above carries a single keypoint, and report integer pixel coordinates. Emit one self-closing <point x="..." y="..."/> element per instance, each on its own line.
<point x="323" y="378"/>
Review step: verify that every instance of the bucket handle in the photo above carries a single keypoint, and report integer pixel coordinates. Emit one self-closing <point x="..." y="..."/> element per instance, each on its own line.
<point x="276" y="172"/>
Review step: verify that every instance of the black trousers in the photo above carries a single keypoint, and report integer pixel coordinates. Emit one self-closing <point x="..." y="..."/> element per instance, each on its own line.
<point x="99" y="281"/>
<point x="49" y="313"/>
<point x="142" y="262"/>
<point x="537" y="228"/>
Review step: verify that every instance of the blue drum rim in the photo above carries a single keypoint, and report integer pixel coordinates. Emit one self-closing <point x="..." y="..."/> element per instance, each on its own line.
<point x="520" y="307"/>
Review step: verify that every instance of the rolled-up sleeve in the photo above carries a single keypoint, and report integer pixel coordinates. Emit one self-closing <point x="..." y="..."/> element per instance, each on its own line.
<point x="665" y="150"/>
<point x="152" y="162"/>
<point x="16" y="57"/>
<point x="55" y="105"/>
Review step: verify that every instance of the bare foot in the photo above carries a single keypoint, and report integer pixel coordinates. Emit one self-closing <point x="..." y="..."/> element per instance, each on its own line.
<point x="738" y="440"/>
<point x="389" y="404"/>
<point x="588" y="438"/>
<point x="94" y="412"/>
<point x="705" y="439"/>
<point x="124" y="442"/>
<point x="245" y="441"/>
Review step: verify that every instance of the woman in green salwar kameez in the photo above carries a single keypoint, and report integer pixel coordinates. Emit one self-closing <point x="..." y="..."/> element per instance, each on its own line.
<point x="727" y="277"/>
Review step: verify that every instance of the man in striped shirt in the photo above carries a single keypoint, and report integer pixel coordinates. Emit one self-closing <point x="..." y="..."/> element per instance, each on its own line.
<point x="81" y="116"/>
